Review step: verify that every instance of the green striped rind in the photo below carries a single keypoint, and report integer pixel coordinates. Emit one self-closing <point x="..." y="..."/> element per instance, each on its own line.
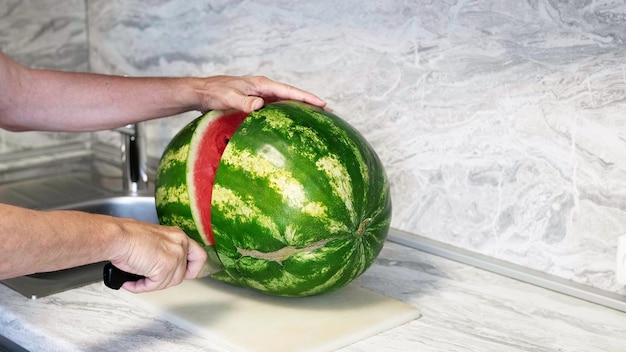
<point x="173" y="186"/>
<point x="301" y="202"/>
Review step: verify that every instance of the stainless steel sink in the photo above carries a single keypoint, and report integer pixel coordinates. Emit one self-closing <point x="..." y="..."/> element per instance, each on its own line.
<point x="140" y="207"/>
<point x="42" y="284"/>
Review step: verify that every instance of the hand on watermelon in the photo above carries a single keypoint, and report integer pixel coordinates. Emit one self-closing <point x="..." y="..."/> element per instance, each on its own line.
<point x="163" y="255"/>
<point x="247" y="93"/>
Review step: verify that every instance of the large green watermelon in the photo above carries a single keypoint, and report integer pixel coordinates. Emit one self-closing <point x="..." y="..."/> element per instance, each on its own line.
<point x="291" y="198"/>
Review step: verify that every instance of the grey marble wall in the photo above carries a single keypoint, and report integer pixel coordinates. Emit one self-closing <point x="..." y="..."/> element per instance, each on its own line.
<point x="502" y="124"/>
<point x="43" y="34"/>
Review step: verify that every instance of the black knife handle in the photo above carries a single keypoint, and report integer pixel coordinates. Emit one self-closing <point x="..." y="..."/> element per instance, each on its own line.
<point x="115" y="277"/>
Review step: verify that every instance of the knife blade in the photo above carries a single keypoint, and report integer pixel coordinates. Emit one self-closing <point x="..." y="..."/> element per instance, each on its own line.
<point x="115" y="277"/>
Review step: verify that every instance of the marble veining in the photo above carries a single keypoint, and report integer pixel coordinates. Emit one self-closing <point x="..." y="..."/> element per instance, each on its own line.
<point x="42" y="34"/>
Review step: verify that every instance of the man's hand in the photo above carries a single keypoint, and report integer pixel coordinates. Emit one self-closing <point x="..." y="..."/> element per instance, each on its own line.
<point x="164" y="255"/>
<point x="247" y="93"/>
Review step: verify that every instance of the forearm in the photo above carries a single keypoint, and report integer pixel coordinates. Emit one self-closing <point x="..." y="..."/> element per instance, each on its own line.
<point x="38" y="241"/>
<point x="35" y="241"/>
<point x="67" y="101"/>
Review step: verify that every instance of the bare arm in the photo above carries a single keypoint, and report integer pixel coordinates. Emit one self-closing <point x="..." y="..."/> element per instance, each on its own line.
<point x="68" y="101"/>
<point x="36" y="241"/>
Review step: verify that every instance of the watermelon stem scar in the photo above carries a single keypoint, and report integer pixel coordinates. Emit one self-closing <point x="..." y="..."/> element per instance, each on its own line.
<point x="362" y="226"/>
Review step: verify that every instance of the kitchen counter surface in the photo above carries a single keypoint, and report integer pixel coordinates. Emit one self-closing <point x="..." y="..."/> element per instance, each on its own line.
<point x="463" y="309"/>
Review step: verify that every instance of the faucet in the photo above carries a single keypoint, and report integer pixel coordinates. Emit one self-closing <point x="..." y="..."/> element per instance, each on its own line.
<point x="134" y="155"/>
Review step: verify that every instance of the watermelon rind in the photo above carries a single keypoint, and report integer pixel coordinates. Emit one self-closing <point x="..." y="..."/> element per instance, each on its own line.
<point x="301" y="202"/>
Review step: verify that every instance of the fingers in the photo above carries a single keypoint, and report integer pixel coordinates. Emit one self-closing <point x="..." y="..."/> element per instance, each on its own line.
<point x="196" y="257"/>
<point x="157" y="282"/>
<point x="248" y="93"/>
<point x="164" y="255"/>
<point x="251" y="103"/>
<point x="265" y="87"/>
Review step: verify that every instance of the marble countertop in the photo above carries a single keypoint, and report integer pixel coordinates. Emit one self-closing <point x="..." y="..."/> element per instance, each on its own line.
<point x="463" y="309"/>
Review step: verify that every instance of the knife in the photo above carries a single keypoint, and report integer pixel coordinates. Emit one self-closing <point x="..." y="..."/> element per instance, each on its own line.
<point x="115" y="277"/>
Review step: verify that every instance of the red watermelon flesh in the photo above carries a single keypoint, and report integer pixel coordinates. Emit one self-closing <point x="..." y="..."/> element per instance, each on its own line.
<point x="210" y="151"/>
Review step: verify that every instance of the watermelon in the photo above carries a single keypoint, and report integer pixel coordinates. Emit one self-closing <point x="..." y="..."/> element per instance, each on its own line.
<point x="291" y="199"/>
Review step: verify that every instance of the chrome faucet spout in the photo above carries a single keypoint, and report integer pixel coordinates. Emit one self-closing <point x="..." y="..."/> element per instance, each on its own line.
<point x="134" y="155"/>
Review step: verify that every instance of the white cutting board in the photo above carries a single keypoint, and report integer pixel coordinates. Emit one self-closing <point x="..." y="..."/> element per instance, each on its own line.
<point x="241" y="319"/>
